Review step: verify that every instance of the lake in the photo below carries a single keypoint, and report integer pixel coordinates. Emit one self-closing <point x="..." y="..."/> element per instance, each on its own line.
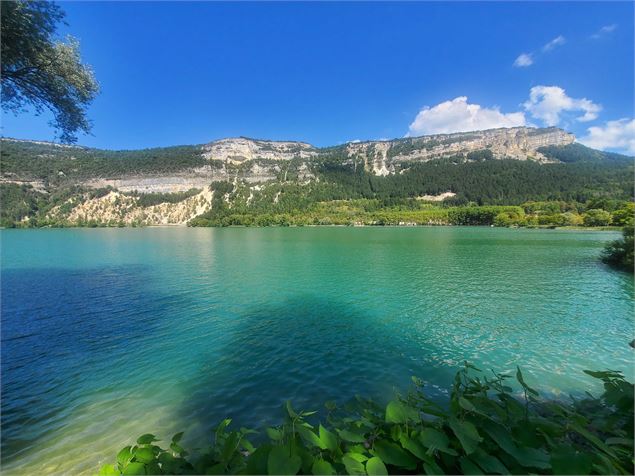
<point x="110" y="333"/>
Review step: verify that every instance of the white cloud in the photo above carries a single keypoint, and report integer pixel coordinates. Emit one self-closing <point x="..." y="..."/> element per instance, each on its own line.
<point x="459" y="116"/>
<point x="548" y="103"/>
<point x="524" y="60"/>
<point x="605" y="30"/>
<point x="557" y="41"/>
<point x="617" y="135"/>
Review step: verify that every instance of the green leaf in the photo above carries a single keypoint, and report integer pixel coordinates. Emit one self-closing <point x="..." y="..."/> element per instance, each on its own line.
<point x="489" y="463"/>
<point x="398" y="412"/>
<point x="290" y="410"/>
<point x="230" y="446"/>
<point x="468" y="467"/>
<point x="280" y="461"/>
<point x="144" y="455"/>
<point x="257" y="461"/>
<point x="134" y="469"/>
<point x="566" y="460"/>
<point x="310" y="437"/>
<point x="328" y="439"/>
<point x="521" y="380"/>
<point x="351" y="436"/>
<point x="436" y="440"/>
<point x="528" y="457"/>
<point x="375" y="466"/>
<point x="124" y="456"/>
<point x="108" y="470"/>
<point x="321" y="467"/>
<point x="275" y="434"/>
<point x="392" y="454"/>
<point x="466" y="433"/>
<point x="353" y="466"/>
<point x="593" y="439"/>
<point x="176" y="438"/>
<point x="357" y="456"/>
<point x="146" y="439"/>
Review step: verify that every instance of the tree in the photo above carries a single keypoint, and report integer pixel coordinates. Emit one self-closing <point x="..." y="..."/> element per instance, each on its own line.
<point x="41" y="72"/>
<point x="597" y="217"/>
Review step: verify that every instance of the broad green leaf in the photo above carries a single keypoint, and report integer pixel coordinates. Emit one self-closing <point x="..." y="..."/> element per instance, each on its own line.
<point x="468" y="467"/>
<point x="357" y="456"/>
<point x="393" y="454"/>
<point x="275" y="434"/>
<point x="328" y="439"/>
<point x="414" y="446"/>
<point x="176" y="438"/>
<point x="144" y="455"/>
<point x="215" y="469"/>
<point x="146" y="439"/>
<point x="528" y="457"/>
<point x="353" y="466"/>
<point x="124" y="456"/>
<point x="310" y="437"/>
<point x="466" y="433"/>
<point x="351" y="436"/>
<point x="435" y="440"/>
<point x="321" y="467"/>
<point x="257" y="461"/>
<point x="489" y="463"/>
<point x="108" y="470"/>
<point x="398" y="412"/>
<point x="375" y="466"/>
<point x="231" y="445"/>
<point x="280" y="461"/>
<point x="134" y="469"/>
<point x="566" y="460"/>
<point x="432" y="468"/>
<point x="593" y="439"/>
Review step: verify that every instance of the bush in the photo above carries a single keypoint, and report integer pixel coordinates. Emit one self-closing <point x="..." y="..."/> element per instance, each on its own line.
<point x="485" y="428"/>
<point x="619" y="253"/>
<point x="597" y="217"/>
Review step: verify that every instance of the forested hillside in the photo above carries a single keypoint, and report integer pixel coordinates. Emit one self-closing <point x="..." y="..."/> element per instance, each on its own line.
<point x="45" y="184"/>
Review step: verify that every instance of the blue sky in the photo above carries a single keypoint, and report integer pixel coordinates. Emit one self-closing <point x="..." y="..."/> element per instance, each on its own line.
<point x="327" y="73"/>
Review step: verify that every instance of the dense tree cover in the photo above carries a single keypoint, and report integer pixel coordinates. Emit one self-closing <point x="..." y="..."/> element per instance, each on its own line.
<point x="577" y="152"/>
<point x="489" y="182"/>
<point x="56" y="164"/>
<point x="41" y="72"/>
<point x="485" y="428"/>
<point x="619" y="253"/>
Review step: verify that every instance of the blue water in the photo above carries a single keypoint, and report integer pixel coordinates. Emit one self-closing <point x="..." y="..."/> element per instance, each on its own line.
<point x="110" y="333"/>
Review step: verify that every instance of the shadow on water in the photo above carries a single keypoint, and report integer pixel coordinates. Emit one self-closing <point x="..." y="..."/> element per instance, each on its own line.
<point x="307" y="350"/>
<point x="65" y="333"/>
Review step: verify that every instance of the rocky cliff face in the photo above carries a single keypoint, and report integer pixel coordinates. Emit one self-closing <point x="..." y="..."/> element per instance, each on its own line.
<point x="243" y="149"/>
<point x="520" y="143"/>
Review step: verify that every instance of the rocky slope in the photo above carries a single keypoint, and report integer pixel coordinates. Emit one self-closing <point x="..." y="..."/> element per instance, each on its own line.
<point x="256" y="169"/>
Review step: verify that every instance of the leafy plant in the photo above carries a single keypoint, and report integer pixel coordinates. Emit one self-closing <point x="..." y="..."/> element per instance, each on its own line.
<point x="486" y="428"/>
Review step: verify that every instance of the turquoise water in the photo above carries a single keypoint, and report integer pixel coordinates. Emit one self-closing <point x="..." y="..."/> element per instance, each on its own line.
<point x="110" y="333"/>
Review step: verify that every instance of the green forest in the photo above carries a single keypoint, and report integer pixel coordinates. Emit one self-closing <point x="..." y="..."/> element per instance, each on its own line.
<point x="585" y="188"/>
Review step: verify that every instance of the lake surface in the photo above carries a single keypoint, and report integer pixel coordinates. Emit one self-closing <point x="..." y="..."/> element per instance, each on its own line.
<point x="110" y="333"/>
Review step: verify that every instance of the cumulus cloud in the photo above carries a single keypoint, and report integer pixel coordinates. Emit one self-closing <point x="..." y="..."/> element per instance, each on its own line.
<point x="549" y="103"/>
<point x="557" y="41"/>
<point x="458" y="115"/>
<point x="524" y="60"/>
<point x="605" y="30"/>
<point x="616" y="135"/>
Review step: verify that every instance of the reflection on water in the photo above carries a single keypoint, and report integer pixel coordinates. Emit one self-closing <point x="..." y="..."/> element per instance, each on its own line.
<point x="107" y="334"/>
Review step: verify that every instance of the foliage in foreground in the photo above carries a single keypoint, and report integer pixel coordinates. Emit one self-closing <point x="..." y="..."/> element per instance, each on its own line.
<point x="619" y="253"/>
<point x="485" y="429"/>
